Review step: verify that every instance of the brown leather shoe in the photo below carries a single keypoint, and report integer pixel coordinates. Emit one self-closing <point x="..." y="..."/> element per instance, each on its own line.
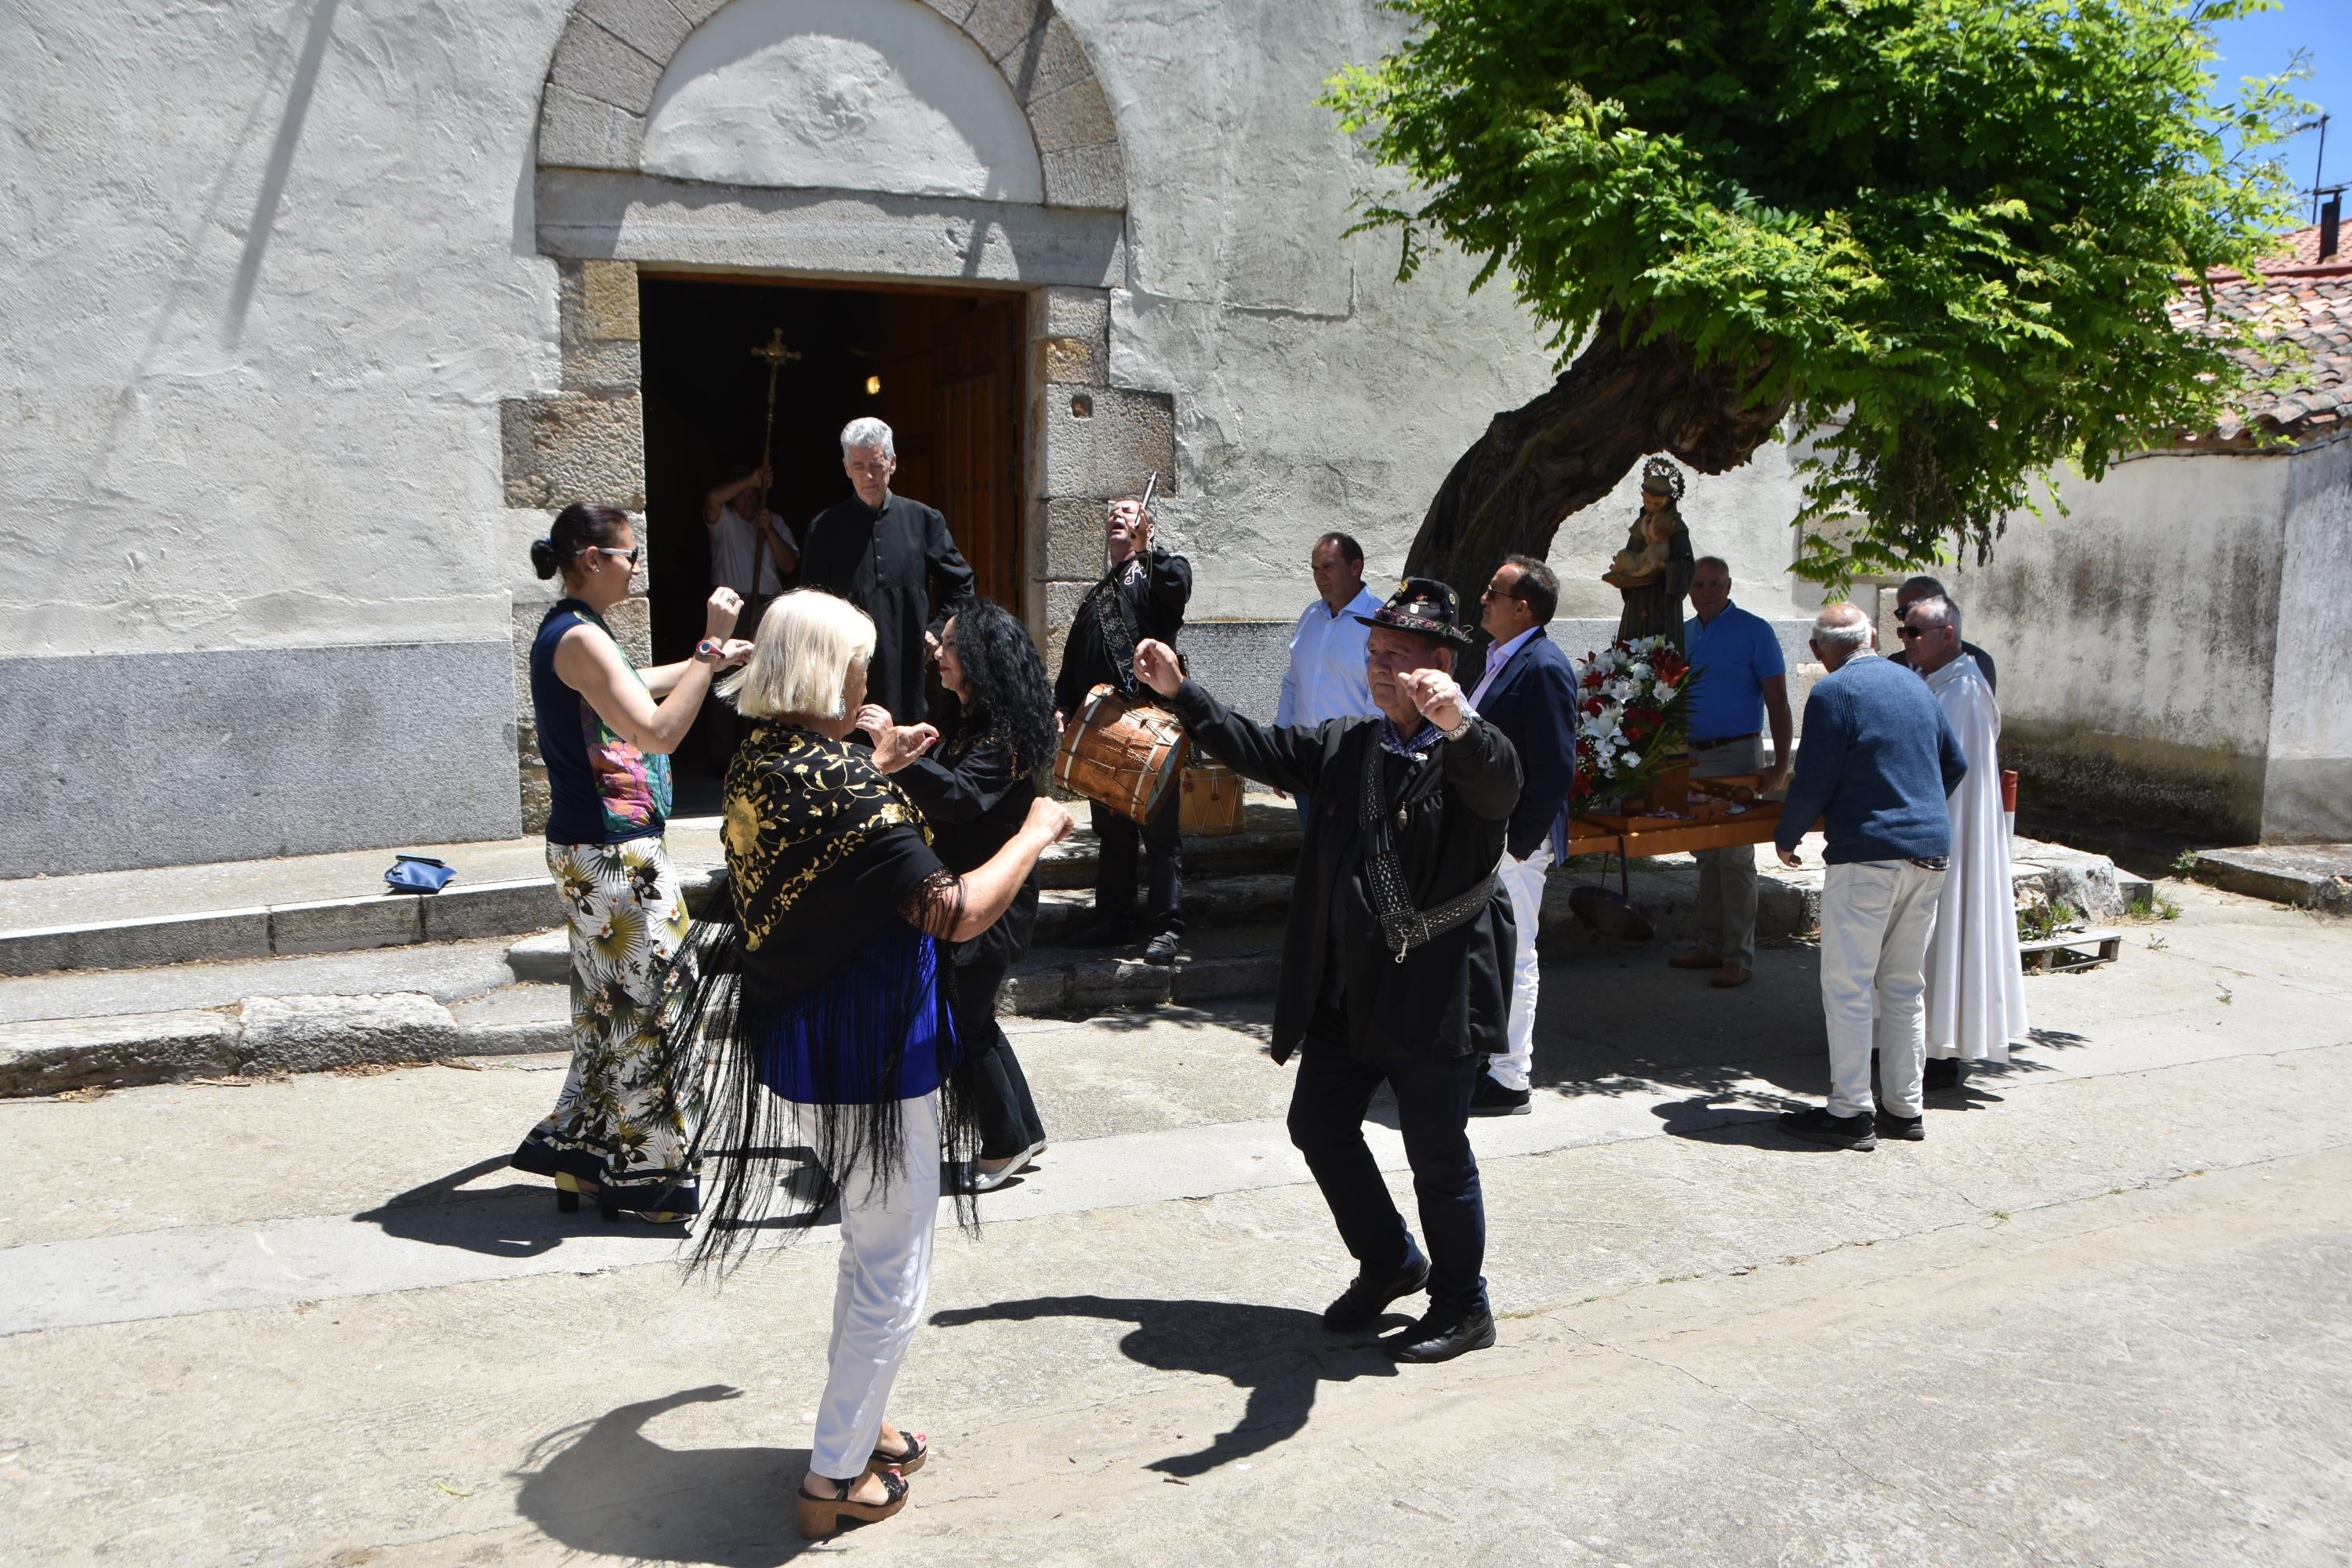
<point x="1729" y="975"/>
<point x="1698" y="957"/>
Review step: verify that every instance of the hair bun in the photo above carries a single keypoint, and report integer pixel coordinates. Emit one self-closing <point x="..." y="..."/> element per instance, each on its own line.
<point x="544" y="559"/>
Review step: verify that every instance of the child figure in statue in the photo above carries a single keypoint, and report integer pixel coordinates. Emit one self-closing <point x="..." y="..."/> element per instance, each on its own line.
<point x="1654" y="571"/>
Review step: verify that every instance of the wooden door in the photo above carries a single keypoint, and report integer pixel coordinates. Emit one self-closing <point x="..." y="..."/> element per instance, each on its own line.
<point x="975" y="456"/>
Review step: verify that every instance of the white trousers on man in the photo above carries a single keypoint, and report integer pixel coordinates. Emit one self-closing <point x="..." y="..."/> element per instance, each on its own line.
<point x="1524" y="881"/>
<point x="1876" y="917"/>
<point x="1727" y="876"/>
<point x="885" y="1272"/>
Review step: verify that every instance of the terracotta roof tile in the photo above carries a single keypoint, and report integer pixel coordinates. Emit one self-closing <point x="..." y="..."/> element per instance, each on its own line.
<point x="2308" y="304"/>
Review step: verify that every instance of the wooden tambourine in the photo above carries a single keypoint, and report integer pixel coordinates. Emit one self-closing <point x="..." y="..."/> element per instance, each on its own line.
<point x="1124" y="755"/>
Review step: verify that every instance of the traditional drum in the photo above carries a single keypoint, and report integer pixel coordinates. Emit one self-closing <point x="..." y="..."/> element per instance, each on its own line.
<point x="1126" y="754"/>
<point x="1212" y="803"/>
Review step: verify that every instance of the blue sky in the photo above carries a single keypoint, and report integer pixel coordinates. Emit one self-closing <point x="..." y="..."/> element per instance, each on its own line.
<point x="2258" y="46"/>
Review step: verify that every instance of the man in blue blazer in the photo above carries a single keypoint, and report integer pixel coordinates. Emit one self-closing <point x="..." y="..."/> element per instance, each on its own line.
<point x="1530" y="694"/>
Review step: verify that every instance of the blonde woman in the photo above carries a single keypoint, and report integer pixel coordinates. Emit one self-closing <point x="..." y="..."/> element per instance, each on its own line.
<point x="839" y="1037"/>
<point x="618" y="1132"/>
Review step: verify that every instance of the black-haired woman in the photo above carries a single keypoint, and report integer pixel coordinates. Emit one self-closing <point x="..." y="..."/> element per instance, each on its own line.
<point x="619" y="1130"/>
<point x="975" y="795"/>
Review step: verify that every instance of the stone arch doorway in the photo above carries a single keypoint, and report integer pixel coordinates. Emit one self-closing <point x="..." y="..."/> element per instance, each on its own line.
<point x="867" y="144"/>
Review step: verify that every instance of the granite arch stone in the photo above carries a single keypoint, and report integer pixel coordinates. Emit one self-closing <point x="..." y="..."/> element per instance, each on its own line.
<point x="612" y="55"/>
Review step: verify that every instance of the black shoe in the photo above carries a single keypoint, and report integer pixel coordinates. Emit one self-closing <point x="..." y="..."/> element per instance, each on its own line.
<point x="1943" y="1074"/>
<point x="1442" y="1333"/>
<point x="1360" y="1305"/>
<point x="1161" y="949"/>
<point x="1103" y="933"/>
<point x="1909" y="1128"/>
<point x="1820" y="1125"/>
<point x="1491" y="1098"/>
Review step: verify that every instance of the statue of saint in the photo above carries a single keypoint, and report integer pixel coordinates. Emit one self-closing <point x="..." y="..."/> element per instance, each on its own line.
<point x="1654" y="571"/>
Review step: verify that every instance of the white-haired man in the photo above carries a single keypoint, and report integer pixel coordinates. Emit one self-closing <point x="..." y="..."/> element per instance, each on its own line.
<point x="884" y="553"/>
<point x="1975" y="988"/>
<point x="1879" y="759"/>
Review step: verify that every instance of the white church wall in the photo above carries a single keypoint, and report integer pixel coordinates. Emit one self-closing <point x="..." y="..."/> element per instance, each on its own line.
<point x="842" y="94"/>
<point x="2134" y="636"/>
<point x="270" y="274"/>
<point x="2307" y="782"/>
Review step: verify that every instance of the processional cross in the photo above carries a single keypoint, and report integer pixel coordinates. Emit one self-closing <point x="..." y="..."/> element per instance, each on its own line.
<point x="778" y="356"/>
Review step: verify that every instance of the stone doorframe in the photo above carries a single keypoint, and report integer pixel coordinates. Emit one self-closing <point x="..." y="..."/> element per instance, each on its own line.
<point x="601" y="217"/>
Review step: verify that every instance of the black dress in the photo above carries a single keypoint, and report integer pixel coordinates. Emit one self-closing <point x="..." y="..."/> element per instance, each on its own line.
<point x="975" y="800"/>
<point x="885" y="563"/>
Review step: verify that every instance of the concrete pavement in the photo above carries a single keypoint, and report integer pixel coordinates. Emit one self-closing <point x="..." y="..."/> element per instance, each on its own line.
<point x="2097" y="1318"/>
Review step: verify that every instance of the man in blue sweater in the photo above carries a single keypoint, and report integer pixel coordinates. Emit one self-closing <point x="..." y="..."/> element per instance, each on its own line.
<point x="1877" y="762"/>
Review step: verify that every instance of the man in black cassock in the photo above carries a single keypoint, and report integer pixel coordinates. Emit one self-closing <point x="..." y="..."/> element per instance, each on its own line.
<point x="1143" y="596"/>
<point x="1396" y="963"/>
<point x="880" y="552"/>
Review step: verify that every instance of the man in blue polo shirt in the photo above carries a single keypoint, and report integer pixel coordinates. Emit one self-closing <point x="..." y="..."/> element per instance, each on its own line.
<point x="1743" y="683"/>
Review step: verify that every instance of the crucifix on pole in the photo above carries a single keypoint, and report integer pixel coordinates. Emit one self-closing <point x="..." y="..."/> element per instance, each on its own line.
<point x="778" y="356"/>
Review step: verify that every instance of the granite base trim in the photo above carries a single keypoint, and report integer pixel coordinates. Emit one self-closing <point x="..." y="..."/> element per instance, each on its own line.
<point x="126" y="760"/>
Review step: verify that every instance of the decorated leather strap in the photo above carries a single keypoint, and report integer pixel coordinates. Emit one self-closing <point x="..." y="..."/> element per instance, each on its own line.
<point x="1111" y="617"/>
<point x="1402" y="926"/>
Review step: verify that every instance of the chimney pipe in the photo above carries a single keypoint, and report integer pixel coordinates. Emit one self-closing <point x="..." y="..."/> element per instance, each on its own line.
<point x="2331" y="224"/>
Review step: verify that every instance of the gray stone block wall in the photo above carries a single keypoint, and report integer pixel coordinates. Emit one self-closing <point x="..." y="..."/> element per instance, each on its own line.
<point x="132" y="759"/>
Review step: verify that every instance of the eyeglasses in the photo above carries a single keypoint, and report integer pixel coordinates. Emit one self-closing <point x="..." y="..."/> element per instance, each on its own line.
<point x="1907" y="630"/>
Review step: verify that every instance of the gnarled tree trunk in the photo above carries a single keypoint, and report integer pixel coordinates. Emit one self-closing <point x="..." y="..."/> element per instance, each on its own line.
<point x="1618" y="402"/>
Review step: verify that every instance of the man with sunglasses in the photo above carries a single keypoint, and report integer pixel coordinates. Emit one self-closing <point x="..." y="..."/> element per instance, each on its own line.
<point x="1975" y="995"/>
<point x="1914" y="589"/>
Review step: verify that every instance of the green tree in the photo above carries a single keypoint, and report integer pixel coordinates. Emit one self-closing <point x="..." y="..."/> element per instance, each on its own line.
<point x="1936" y="241"/>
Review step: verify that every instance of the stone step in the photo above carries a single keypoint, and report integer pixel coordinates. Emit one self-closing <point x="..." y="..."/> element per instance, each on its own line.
<point x="324" y="903"/>
<point x="2305" y="875"/>
<point x="1231" y="949"/>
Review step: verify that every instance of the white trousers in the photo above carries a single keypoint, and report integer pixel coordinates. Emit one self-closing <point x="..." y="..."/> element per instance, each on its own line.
<point x="885" y="1272"/>
<point x="1876" y="917"/>
<point x="1524" y="881"/>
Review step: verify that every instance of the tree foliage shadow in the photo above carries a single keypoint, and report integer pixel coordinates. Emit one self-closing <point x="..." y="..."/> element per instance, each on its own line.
<point x="1279" y="1354"/>
<point x="604" y="1488"/>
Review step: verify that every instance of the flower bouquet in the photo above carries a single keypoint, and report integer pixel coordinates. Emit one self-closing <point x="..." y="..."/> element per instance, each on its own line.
<point x="1633" y="714"/>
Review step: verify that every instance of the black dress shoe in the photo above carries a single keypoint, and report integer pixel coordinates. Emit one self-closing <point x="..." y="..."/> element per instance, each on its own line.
<point x="1821" y="1125"/>
<point x="1909" y="1128"/>
<point x="1491" y="1098"/>
<point x="1160" y="950"/>
<point x="1361" y="1303"/>
<point x="1442" y="1333"/>
<point x="1943" y="1074"/>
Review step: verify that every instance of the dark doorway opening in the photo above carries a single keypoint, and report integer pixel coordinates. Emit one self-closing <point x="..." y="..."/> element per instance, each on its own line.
<point x="942" y="368"/>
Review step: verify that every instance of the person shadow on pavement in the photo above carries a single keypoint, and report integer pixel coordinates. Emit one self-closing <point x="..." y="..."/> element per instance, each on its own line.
<point x="604" y="1488"/>
<point x="1280" y="1354"/>
<point x="517" y="1220"/>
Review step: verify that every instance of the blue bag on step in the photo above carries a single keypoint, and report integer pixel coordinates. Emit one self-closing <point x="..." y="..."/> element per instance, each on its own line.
<point x="418" y="874"/>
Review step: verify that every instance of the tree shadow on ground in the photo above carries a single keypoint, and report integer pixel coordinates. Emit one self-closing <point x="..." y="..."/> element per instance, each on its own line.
<point x="604" y="1488"/>
<point x="1279" y="1354"/>
<point x="1616" y="1021"/>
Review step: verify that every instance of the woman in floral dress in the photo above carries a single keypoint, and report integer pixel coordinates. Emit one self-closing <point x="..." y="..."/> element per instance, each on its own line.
<point x="619" y="1130"/>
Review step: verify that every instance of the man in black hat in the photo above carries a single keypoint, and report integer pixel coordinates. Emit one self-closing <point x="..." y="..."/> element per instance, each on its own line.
<point x="1396" y="961"/>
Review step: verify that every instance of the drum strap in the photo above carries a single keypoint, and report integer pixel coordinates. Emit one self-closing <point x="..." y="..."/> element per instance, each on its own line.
<point x="1402" y="926"/>
<point x="1111" y="619"/>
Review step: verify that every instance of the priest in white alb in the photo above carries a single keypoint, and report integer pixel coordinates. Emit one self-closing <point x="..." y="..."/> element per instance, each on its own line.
<point x="1975" y="993"/>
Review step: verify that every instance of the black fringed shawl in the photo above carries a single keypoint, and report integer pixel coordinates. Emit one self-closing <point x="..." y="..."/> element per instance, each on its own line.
<point x="831" y="992"/>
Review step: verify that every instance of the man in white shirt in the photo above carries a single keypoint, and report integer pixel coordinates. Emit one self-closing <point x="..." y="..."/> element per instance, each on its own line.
<point x="1326" y="678"/>
<point x="740" y="558"/>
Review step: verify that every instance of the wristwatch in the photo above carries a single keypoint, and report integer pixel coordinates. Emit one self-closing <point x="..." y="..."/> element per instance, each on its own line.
<point x="709" y="650"/>
<point x="1469" y="715"/>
